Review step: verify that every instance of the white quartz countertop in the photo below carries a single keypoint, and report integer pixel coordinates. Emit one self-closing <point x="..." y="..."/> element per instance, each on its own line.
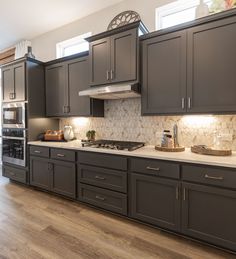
<point x="149" y="152"/>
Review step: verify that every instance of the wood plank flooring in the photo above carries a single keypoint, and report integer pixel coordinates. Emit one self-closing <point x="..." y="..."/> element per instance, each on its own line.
<point x="34" y="224"/>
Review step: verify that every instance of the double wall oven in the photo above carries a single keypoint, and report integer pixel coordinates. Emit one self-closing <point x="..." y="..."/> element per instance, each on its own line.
<point x="14" y="133"/>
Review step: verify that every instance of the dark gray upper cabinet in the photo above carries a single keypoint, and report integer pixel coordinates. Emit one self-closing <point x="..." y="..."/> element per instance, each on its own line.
<point x="155" y="200"/>
<point x="99" y="62"/>
<point x="190" y="68"/>
<point x="56" y="100"/>
<point x="13" y="82"/>
<point x="209" y="213"/>
<point x="211" y="67"/>
<point x="64" y="79"/>
<point x="114" y="55"/>
<point x="164" y="74"/>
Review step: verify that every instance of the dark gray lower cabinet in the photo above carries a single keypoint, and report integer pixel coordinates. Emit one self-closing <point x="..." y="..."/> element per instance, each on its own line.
<point x="209" y="214"/>
<point x="55" y="176"/>
<point x="155" y="200"/>
<point x="64" y="178"/>
<point x="109" y="200"/>
<point x="15" y="174"/>
<point x="40" y="173"/>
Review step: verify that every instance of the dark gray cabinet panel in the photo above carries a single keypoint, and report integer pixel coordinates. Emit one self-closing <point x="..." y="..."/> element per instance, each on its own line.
<point x="109" y="200"/>
<point x="7" y="84"/>
<point x="19" y="81"/>
<point x="56" y="96"/>
<point x="40" y="174"/>
<point x="211" y="63"/>
<point x="63" y="154"/>
<point x="209" y="175"/>
<point x="64" y="80"/>
<point x="209" y="214"/>
<point x="39" y="151"/>
<point x="155" y="167"/>
<point x="164" y="74"/>
<point x="13" y="82"/>
<point x="64" y="178"/>
<point x="124" y="47"/>
<point x="103" y="160"/>
<point x="16" y="174"/>
<point x="101" y="177"/>
<point x="155" y="200"/>
<point x="99" y="61"/>
<point x="78" y="80"/>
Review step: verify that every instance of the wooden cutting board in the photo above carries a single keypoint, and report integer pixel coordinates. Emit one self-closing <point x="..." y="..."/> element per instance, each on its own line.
<point x="204" y="150"/>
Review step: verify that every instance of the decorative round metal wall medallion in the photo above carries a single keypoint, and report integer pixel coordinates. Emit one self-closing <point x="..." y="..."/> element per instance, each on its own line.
<point x="123" y="19"/>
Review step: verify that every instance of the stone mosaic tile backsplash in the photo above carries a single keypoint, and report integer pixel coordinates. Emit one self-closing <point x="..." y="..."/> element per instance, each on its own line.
<point x="123" y="121"/>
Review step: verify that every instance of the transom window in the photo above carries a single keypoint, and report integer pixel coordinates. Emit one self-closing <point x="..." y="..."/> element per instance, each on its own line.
<point x="177" y="12"/>
<point x="73" y="46"/>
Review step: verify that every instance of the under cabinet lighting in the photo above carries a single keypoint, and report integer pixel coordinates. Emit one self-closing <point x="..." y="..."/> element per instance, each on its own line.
<point x="198" y="121"/>
<point x="80" y="121"/>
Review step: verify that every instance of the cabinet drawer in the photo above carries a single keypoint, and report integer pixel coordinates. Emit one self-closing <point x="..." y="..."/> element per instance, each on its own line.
<point x="101" y="177"/>
<point x="62" y="154"/>
<point x="103" y="160"/>
<point x="16" y="174"/>
<point x="39" y="151"/>
<point x="210" y="175"/>
<point x="155" y="167"/>
<point x="109" y="200"/>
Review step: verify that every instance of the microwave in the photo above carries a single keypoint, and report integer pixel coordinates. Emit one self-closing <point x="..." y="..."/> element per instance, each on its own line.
<point x="13" y="115"/>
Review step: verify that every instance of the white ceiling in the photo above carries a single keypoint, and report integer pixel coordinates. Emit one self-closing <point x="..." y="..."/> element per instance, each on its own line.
<point x="26" y="19"/>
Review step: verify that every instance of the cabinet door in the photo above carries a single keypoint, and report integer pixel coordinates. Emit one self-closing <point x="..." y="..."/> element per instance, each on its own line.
<point x="78" y="80"/>
<point x="7" y="84"/>
<point x="155" y="201"/>
<point x="40" y="175"/>
<point x="56" y="93"/>
<point x="19" y="81"/>
<point x="211" y="67"/>
<point x="164" y="74"/>
<point x="124" y="56"/>
<point x="99" y="62"/>
<point x="209" y="214"/>
<point x="64" y="178"/>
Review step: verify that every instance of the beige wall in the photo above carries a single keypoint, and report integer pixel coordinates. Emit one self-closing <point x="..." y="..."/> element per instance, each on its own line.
<point x="44" y="46"/>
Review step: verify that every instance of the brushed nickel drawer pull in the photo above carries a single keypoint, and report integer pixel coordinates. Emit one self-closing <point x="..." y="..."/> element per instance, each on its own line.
<point x="37" y="151"/>
<point x="60" y="155"/>
<point x="183" y="103"/>
<point x="177" y="193"/>
<point x="100" y="198"/>
<point x="99" y="177"/>
<point x="153" y="168"/>
<point x="220" y="178"/>
<point x="108" y="75"/>
<point x="184" y="194"/>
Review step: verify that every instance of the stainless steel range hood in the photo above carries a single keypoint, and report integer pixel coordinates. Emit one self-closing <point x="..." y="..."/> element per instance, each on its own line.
<point x="113" y="92"/>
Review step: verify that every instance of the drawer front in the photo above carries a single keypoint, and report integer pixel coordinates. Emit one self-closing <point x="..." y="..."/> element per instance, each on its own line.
<point x="101" y="177"/>
<point x="63" y="154"/>
<point x="39" y="151"/>
<point x="209" y="175"/>
<point x="103" y="160"/>
<point x="16" y="174"/>
<point x="155" y="167"/>
<point x="109" y="200"/>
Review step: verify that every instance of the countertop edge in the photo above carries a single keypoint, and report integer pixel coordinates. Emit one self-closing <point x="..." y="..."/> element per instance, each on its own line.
<point x="148" y="152"/>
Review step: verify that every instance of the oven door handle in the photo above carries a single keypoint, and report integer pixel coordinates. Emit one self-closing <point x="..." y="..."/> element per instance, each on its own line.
<point x="17" y="138"/>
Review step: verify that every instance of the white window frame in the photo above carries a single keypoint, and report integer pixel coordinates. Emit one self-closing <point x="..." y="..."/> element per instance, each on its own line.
<point x="172" y="8"/>
<point x="61" y="46"/>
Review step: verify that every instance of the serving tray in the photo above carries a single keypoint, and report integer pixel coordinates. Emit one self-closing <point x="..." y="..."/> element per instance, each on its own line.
<point x="204" y="150"/>
<point x="167" y="149"/>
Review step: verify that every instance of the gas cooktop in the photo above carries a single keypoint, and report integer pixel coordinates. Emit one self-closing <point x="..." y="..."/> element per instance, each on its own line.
<point x="113" y="144"/>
